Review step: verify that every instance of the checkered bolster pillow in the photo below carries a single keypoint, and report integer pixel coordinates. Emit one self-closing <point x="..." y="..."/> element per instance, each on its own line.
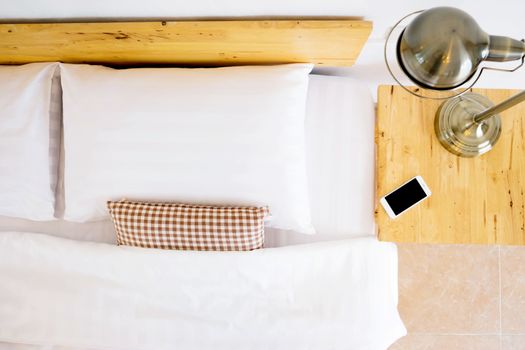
<point x="188" y="227"/>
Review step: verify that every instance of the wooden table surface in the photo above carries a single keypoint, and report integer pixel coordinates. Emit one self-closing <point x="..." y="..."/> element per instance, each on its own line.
<point x="474" y="200"/>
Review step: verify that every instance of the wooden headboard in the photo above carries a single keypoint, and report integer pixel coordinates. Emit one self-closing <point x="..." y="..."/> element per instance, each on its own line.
<point x="192" y="43"/>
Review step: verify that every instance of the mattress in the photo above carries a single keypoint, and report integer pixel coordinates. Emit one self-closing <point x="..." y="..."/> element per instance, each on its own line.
<point x="340" y="166"/>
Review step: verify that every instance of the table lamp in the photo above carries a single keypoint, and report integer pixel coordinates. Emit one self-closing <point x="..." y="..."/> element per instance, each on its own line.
<point x="442" y="49"/>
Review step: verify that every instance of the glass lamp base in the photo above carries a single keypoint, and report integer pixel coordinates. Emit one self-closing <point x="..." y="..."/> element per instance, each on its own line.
<point x="458" y="133"/>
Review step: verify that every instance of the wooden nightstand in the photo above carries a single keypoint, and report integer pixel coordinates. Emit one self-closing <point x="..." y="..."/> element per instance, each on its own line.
<point x="474" y="200"/>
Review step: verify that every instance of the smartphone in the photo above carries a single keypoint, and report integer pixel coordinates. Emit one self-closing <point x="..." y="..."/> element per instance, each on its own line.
<point x="405" y="197"/>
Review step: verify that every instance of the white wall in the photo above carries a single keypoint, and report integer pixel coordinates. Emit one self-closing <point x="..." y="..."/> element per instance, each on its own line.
<point x="502" y="17"/>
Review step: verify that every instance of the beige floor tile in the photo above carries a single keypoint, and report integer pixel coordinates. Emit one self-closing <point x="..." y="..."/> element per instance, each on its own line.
<point x="513" y="342"/>
<point x="447" y="342"/>
<point x="449" y="288"/>
<point x="513" y="290"/>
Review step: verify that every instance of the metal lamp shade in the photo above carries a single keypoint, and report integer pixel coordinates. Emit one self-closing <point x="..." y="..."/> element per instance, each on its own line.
<point x="442" y="48"/>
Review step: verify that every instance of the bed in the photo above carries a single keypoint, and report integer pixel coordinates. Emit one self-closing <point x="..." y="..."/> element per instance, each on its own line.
<point x="335" y="289"/>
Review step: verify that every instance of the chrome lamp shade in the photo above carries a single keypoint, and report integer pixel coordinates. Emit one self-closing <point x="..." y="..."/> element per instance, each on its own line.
<point x="442" y="49"/>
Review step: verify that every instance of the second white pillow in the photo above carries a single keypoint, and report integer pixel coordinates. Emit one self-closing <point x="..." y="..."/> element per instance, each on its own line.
<point x="223" y="136"/>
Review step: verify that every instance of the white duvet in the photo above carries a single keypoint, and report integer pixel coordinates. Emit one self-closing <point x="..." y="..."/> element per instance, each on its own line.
<point x="72" y="294"/>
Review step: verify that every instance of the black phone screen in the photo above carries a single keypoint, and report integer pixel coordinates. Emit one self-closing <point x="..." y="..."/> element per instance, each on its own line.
<point x="405" y="196"/>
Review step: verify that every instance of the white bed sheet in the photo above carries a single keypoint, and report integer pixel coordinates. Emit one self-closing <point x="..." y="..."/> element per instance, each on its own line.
<point x="340" y="160"/>
<point x="325" y="295"/>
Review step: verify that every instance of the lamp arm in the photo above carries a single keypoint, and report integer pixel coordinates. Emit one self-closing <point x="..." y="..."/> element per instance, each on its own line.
<point x="500" y="107"/>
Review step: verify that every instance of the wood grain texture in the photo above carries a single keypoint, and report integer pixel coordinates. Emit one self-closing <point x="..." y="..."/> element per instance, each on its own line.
<point x="196" y="43"/>
<point x="474" y="200"/>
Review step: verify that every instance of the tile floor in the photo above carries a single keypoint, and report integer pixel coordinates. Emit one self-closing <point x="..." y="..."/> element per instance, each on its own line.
<point x="462" y="297"/>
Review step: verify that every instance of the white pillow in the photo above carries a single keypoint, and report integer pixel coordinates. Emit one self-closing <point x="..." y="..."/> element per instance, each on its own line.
<point x="230" y="136"/>
<point x="27" y="189"/>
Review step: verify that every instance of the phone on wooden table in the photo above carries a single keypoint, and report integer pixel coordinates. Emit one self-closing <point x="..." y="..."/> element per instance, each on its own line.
<point x="405" y="197"/>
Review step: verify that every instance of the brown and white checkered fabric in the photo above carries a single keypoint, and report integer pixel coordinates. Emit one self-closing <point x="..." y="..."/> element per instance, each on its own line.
<point x="188" y="227"/>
